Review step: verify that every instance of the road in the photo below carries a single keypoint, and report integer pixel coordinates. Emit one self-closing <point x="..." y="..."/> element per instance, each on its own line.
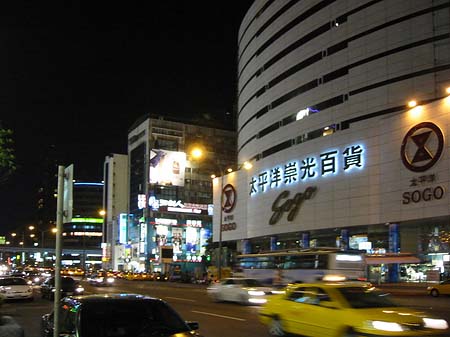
<point x="191" y="301"/>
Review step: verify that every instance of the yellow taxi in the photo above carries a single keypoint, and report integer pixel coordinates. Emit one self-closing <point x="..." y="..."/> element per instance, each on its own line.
<point x="344" y="309"/>
<point x="442" y="288"/>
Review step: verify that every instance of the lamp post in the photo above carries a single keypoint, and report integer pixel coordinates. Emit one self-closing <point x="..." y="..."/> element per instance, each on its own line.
<point x="53" y="230"/>
<point x="219" y="269"/>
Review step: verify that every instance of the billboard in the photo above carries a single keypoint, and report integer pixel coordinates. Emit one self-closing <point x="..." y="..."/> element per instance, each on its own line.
<point x="167" y="167"/>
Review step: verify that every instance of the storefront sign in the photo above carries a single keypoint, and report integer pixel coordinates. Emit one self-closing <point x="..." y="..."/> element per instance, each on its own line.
<point x="326" y="163"/>
<point x="427" y="194"/>
<point x="229" y="226"/>
<point x="176" y="206"/>
<point x="422" y="147"/>
<point x="291" y="206"/>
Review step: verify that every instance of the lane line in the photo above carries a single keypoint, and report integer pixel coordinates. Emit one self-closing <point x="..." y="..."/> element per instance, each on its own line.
<point x="221" y="316"/>
<point x="181" y="299"/>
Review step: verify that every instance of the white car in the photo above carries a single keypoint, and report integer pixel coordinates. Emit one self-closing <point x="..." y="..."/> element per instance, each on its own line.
<point x="241" y="290"/>
<point x="14" y="288"/>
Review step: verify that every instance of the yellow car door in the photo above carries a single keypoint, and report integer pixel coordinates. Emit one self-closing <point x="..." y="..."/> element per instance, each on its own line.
<point x="322" y="316"/>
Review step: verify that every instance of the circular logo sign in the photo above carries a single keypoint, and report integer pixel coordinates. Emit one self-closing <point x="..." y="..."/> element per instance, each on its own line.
<point x="422" y="147"/>
<point x="229" y="197"/>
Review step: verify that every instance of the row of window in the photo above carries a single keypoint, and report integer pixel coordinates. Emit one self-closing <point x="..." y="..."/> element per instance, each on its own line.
<point x="336" y="73"/>
<point x="331" y="129"/>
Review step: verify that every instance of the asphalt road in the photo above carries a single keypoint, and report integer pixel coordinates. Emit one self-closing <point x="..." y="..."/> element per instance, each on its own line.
<point x="191" y="301"/>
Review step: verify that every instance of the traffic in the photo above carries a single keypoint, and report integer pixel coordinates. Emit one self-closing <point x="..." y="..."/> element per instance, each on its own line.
<point x="242" y="305"/>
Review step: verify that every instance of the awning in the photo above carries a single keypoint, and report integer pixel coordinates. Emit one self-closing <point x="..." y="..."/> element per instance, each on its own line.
<point x="391" y="259"/>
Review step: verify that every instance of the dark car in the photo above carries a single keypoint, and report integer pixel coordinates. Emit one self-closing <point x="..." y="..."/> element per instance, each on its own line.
<point x="68" y="287"/>
<point x="117" y="315"/>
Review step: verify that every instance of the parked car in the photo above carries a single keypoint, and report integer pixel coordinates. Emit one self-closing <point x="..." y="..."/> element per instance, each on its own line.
<point x="114" y="315"/>
<point x="100" y="278"/>
<point x="68" y="287"/>
<point x="15" y="288"/>
<point x="241" y="290"/>
<point x="344" y="309"/>
<point x="442" y="288"/>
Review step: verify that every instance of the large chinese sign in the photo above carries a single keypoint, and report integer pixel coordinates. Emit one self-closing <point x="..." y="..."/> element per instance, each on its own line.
<point x="311" y="167"/>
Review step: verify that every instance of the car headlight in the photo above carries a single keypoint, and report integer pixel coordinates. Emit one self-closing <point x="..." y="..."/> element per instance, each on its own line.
<point x="434" y="323"/>
<point x="256" y="293"/>
<point x="79" y="289"/>
<point x="110" y="280"/>
<point x="387" y="326"/>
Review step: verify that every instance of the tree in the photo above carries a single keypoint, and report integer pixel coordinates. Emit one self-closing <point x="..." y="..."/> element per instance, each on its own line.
<point x="7" y="158"/>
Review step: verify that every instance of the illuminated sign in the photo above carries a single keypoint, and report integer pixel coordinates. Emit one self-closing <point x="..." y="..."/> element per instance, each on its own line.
<point x="308" y="168"/>
<point x="167" y="167"/>
<point x="176" y="206"/>
<point x="164" y="221"/>
<point x="123" y="228"/>
<point x="142" y="201"/>
<point x="90" y="220"/>
<point x="184" y="210"/>
<point x="194" y="223"/>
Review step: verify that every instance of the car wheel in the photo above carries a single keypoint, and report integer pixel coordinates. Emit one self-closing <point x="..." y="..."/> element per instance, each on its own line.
<point x="349" y="333"/>
<point x="276" y="327"/>
<point x="434" y="293"/>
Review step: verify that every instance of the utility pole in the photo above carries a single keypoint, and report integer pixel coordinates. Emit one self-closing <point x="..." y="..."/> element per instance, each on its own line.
<point x="58" y="250"/>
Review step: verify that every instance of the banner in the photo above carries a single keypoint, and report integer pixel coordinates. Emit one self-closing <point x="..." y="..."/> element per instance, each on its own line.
<point x="177" y="239"/>
<point x="167" y="167"/>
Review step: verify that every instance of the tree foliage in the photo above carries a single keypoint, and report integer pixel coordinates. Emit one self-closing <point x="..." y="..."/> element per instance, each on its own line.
<point x="7" y="157"/>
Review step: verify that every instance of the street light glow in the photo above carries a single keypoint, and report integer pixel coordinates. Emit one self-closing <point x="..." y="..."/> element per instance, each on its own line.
<point x="247" y="165"/>
<point x="197" y="153"/>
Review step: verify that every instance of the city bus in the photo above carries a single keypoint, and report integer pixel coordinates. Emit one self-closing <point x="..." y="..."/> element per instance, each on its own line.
<point x="303" y="265"/>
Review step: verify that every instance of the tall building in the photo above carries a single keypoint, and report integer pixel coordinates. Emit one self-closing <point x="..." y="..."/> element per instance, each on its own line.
<point x="339" y="157"/>
<point x="115" y="204"/>
<point x="84" y="231"/>
<point x="170" y="193"/>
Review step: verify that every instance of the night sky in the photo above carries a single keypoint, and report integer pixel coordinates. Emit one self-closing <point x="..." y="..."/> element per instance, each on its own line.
<point x="75" y="75"/>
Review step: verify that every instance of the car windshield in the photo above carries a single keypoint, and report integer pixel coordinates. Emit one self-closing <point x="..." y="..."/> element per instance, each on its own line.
<point x="130" y="319"/>
<point x="13" y="281"/>
<point x="362" y="298"/>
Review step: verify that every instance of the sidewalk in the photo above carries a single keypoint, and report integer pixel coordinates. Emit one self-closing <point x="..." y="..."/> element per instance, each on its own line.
<point x="405" y="288"/>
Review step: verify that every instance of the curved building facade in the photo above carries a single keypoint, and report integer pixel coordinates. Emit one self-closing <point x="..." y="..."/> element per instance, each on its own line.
<point x="339" y="157"/>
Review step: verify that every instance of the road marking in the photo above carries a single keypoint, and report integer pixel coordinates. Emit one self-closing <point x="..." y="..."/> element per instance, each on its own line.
<point x="216" y="315"/>
<point x="181" y="299"/>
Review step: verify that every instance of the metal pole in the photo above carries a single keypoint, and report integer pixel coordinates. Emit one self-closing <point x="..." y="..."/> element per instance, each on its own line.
<point x="220" y="228"/>
<point x="58" y="250"/>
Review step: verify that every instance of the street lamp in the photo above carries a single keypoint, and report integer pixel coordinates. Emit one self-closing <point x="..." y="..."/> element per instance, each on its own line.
<point x="197" y="153"/>
<point x="53" y="230"/>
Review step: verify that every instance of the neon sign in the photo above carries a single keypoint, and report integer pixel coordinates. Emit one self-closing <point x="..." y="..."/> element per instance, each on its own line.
<point x="326" y="163"/>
